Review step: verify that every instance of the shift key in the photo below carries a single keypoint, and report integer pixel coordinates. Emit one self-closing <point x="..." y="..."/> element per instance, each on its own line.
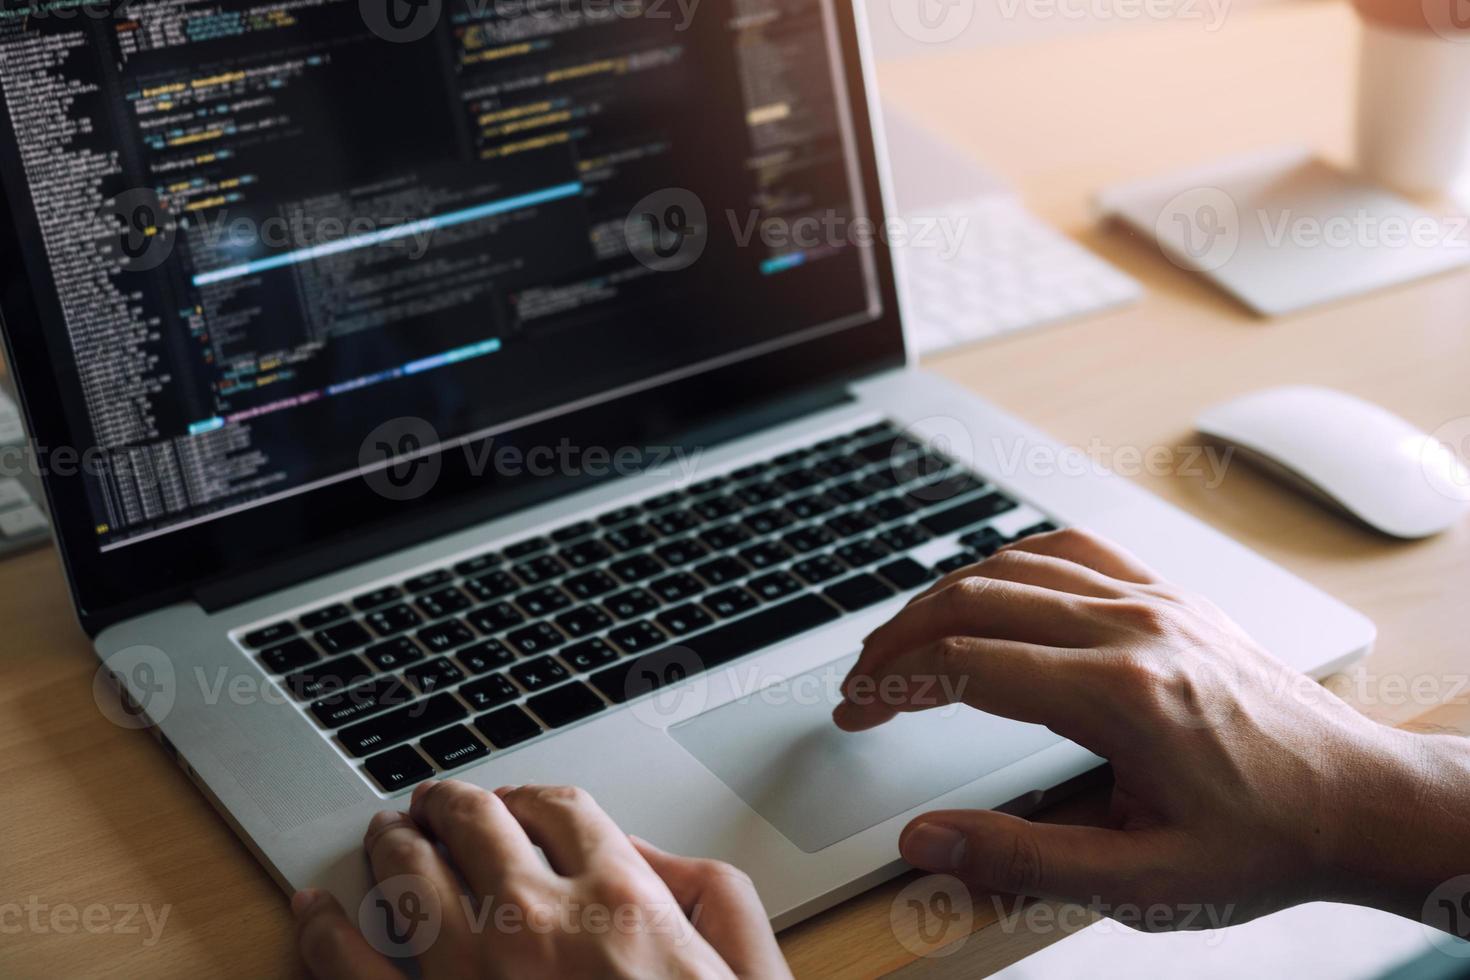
<point x="370" y="736"/>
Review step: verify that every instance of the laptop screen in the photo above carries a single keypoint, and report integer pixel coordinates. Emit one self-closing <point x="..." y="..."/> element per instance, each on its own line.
<point x="290" y="241"/>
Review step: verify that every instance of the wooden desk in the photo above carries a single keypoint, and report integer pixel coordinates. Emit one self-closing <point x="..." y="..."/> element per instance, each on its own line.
<point x="98" y="815"/>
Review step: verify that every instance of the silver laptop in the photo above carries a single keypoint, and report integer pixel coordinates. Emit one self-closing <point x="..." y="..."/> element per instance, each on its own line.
<point x="519" y="395"/>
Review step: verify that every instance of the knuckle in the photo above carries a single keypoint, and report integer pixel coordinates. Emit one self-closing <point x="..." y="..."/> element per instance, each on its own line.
<point x="1143" y="615"/>
<point x="720" y="872"/>
<point x="462" y="803"/>
<point x="400" y="848"/>
<point x="569" y="796"/>
<point x="325" y="939"/>
<point x="951" y="655"/>
<point x="967" y="592"/>
<point x="1015" y="865"/>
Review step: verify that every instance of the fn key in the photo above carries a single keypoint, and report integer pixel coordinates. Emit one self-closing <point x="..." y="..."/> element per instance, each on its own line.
<point x="398" y="768"/>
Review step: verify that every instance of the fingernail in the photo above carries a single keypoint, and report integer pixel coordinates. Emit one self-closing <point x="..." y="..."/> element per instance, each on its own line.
<point x="304" y="900"/>
<point x="934" y="847"/>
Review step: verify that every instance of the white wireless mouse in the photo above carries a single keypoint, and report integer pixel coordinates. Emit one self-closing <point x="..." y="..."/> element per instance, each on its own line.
<point x="1359" y="457"/>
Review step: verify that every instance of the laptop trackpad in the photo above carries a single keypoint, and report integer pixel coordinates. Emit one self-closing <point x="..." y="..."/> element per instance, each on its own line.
<point x="781" y="754"/>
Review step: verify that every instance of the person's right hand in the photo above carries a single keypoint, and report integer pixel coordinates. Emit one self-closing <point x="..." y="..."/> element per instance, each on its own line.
<point x="1239" y="782"/>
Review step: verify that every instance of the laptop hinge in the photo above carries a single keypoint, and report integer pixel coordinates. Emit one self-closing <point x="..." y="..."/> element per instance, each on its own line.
<point x="441" y="519"/>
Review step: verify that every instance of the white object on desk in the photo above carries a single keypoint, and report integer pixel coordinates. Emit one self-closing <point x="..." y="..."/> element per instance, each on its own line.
<point x="22" y="522"/>
<point x="978" y="264"/>
<point x="1281" y="231"/>
<point x="1317" y="941"/>
<point x="1360" y="457"/>
<point x="1413" y="126"/>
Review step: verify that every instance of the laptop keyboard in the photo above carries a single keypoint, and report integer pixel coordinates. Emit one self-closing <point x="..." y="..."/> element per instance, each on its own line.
<point x="441" y="669"/>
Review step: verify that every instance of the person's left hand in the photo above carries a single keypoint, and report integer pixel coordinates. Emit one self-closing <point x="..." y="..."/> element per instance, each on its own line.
<point x="608" y="905"/>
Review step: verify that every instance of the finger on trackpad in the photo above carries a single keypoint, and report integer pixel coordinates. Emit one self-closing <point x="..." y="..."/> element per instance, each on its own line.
<point x="779" y="751"/>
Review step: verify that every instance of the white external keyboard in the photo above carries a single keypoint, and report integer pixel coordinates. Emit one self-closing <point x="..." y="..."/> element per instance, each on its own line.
<point x="1011" y="272"/>
<point x="22" y="522"/>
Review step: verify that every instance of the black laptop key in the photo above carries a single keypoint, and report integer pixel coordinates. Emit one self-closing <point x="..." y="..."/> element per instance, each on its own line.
<point x="847" y="492"/>
<point x="849" y="525"/>
<point x="725" y="537"/>
<point x="948" y="487"/>
<point x="506" y="727"/>
<point x="491" y="586"/>
<point x="538" y="570"/>
<point x="348" y="635"/>
<point x="888" y="447"/>
<point x="716" y="508"/>
<point x="765" y="554"/>
<point x="377" y="597"/>
<point x="904" y="537"/>
<point x="730" y="602"/>
<point x="760" y="492"/>
<point x="573" y="531"/>
<point x="800" y="479"/>
<point x="955" y="562"/>
<point x="589" y="655"/>
<point x="434" y="675"/>
<point x="485" y="656"/>
<point x="266" y="635"/>
<point x="291" y="655"/>
<point x="860" y="553"/>
<point x="590" y="585"/>
<point x="394" y="653"/>
<point x="478" y="564"/>
<point x="318" y="618"/>
<point x="663" y="501"/>
<point x="768" y="521"/>
<point x="495" y="617"/>
<point x="709" y="485"/>
<point x="400" y="724"/>
<point x="675" y="522"/>
<point x="684" y="619"/>
<point x="809" y="507"/>
<point x="534" y="639"/>
<point x="806" y="539"/>
<point x="585" y="553"/>
<point x="621" y="515"/>
<point x="630" y="538"/>
<point x="530" y="546"/>
<point x="680" y="585"/>
<point x="539" y="674"/>
<point x="776" y="585"/>
<point x="984" y="542"/>
<point x="378" y="694"/>
<point x="443" y="602"/>
<point x="819" y="568"/>
<point x="1042" y="527"/>
<point x="566" y="704"/>
<point x="583" y="620"/>
<point x="631" y="603"/>
<point x="905" y="573"/>
<point x="318" y="680"/>
<point x="715" y="647"/>
<point x="889" y="509"/>
<point x="453" y="747"/>
<point x="721" y="570"/>
<point x="637" y="637"/>
<point x="393" y="619"/>
<point x="681" y="552"/>
<point x="859" y="591"/>
<point x="543" y="601"/>
<point x="398" y="768"/>
<point x="636" y="568"/>
<point x="970" y="512"/>
<point x="488" y="692"/>
<point x="428" y="580"/>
